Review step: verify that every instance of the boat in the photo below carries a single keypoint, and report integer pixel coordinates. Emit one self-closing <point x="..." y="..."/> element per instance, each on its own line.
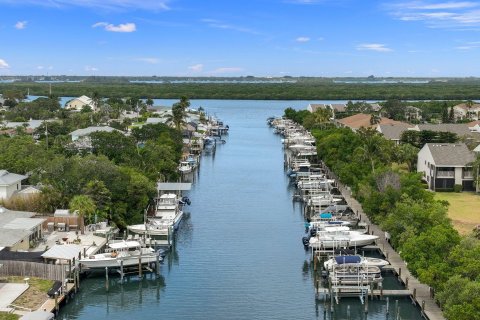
<point x="353" y="272"/>
<point x="126" y="253"/>
<point x="185" y="167"/>
<point x="168" y="214"/>
<point x="209" y="144"/>
<point x="368" y="261"/>
<point x="339" y="237"/>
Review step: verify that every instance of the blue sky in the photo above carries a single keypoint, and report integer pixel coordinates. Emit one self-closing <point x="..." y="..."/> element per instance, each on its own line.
<point x="240" y="37"/>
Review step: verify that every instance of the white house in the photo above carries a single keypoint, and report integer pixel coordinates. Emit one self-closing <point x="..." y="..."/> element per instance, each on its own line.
<point x="79" y="133"/>
<point x="18" y="229"/>
<point x="445" y="165"/>
<point x="312" y="107"/>
<point x="78" y="103"/>
<point x="10" y="183"/>
<point x="467" y="111"/>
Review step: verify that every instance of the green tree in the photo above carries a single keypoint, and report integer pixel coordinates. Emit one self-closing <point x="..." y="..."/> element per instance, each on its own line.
<point x="84" y="206"/>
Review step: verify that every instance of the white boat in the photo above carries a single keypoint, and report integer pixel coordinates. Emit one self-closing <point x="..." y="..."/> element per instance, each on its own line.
<point x="340" y="237"/>
<point x="128" y="253"/>
<point x="368" y="261"/>
<point x="185" y="167"/>
<point x="356" y="274"/>
<point x="167" y="215"/>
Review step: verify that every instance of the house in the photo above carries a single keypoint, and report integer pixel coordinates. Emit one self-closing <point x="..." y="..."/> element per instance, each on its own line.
<point x="460" y="129"/>
<point x="467" y="111"/>
<point x="445" y="165"/>
<point x="79" y="133"/>
<point x="477" y="150"/>
<point x="155" y="120"/>
<point x="376" y="107"/>
<point x="393" y="131"/>
<point x="78" y="103"/>
<point x="312" y="107"/>
<point x="10" y="183"/>
<point x="359" y="120"/>
<point x="413" y="113"/>
<point x="18" y="229"/>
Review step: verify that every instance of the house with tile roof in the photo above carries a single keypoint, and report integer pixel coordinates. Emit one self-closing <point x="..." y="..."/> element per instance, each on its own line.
<point x="359" y="120"/>
<point x="444" y="165"/>
<point x="10" y="183"/>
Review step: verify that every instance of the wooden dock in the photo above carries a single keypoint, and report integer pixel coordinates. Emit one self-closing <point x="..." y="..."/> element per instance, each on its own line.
<point x="421" y="293"/>
<point x="50" y="304"/>
<point x="376" y="292"/>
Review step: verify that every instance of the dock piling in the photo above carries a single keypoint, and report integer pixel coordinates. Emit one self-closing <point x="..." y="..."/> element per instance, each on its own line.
<point x="106" y="278"/>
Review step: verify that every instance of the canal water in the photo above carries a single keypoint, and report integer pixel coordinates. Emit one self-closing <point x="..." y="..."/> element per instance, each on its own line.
<point x="238" y="255"/>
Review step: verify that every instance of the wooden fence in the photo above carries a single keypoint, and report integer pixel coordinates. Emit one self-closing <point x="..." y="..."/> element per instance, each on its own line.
<point x="31" y="269"/>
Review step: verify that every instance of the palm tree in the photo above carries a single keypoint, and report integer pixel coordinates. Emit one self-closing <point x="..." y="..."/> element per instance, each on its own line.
<point x="96" y="100"/>
<point x="85" y="207"/>
<point x="178" y="115"/>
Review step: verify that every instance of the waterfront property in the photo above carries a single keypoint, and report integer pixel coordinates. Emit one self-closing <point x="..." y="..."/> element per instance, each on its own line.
<point x="78" y="103"/>
<point x="359" y="120"/>
<point x="467" y="111"/>
<point x="444" y="165"/>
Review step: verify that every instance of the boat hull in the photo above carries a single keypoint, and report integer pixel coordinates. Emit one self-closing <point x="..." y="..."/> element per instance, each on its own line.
<point x="117" y="262"/>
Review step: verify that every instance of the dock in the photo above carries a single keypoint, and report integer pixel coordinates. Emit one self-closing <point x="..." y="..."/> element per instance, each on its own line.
<point x="53" y="304"/>
<point x="421" y="294"/>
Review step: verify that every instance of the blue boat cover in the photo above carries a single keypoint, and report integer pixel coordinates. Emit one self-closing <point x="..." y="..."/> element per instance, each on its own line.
<point x="347" y="259"/>
<point x="325" y="215"/>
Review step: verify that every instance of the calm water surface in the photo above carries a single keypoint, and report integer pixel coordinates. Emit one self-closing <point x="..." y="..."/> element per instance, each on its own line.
<point x="239" y="254"/>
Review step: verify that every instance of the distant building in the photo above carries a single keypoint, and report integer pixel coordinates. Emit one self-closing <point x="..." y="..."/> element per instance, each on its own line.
<point x="393" y="131"/>
<point x="413" y="113"/>
<point x="10" y="183"/>
<point x="79" y="133"/>
<point x="460" y="129"/>
<point x="359" y="120"/>
<point x="444" y="165"/>
<point x="376" y="107"/>
<point x="465" y="111"/>
<point x="78" y="103"/>
<point x="312" y="107"/>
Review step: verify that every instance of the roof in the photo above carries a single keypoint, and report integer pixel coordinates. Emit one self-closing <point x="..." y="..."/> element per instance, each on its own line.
<point x="473" y="123"/>
<point x="450" y="154"/>
<point x="339" y="107"/>
<point x="32" y="124"/>
<point x="393" y="131"/>
<point x="63" y="251"/>
<point x="23" y="223"/>
<point x="7" y="178"/>
<point x="155" y="120"/>
<point x="463" y="106"/>
<point x="363" y="120"/>
<point x="10" y="237"/>
<point x="376" y="106"/>
<point x="316" y="106"/>
<point x="83" y="99"/>
<point x="173" y="186"/>
<point x="29" y="190"/>
<point x="461" y="129"/>
<point x="477" y="149"/>
<point x="90" y="130"/>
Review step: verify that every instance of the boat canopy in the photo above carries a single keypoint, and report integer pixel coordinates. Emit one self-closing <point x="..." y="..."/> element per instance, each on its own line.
<point x="348" y="259"/>
<point x="124" y="245"/>
<point x="173" y="186"/>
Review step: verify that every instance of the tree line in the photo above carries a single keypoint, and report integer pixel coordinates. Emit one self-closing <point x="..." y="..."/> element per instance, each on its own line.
<point x="113" y="177"/>
<point x="300" y="90"/>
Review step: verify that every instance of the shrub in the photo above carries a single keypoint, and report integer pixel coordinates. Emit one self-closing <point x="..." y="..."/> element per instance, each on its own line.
<point x="457" y="188"/>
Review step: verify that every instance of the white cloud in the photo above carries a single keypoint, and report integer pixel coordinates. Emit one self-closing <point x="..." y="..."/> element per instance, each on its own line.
<point x="226" y="26"/>
<point x="122" y="27"/>
<point x="196" y="67"/>
<point x="302" y="39"/>
<point x="224" y="70"/>
<point x="149" y="60"/>
<point x="40" y="67"/>
<point x="109" y="5"/>
<point x="3" y="64"/>
<point x="379" y="47"/>
<point x="90" y="68"/>
<point x="21" y="25"/>
<point x="469" y="46"/>
<point x="451" y="14"/>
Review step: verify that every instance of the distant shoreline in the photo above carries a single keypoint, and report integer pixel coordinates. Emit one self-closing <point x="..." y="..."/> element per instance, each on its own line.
<point x="302" y="90"/>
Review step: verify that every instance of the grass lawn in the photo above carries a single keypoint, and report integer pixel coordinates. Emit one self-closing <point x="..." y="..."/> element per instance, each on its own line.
<point x="8" y="316"/>
<point x="464" y="209"/>
<point x="35" y="295"/>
